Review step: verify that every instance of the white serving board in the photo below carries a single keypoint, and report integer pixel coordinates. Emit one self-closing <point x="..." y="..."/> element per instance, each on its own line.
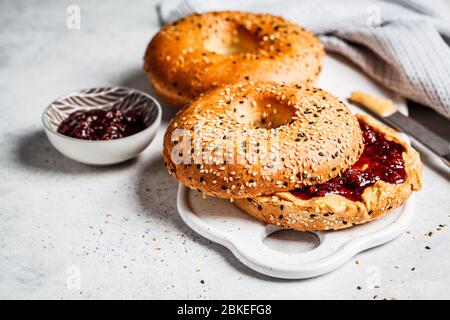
<point x="220" y="221"/>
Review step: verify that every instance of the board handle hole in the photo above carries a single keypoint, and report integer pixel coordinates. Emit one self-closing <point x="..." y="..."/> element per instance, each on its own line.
<point x="291" y="241"/>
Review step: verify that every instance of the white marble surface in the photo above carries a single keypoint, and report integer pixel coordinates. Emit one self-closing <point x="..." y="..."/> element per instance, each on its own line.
<point x="72" y="231"/>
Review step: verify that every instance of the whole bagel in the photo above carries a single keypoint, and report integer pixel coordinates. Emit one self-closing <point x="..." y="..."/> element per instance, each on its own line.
<point x="334" y="211"/>
<point x="204" y="51"/>
<point x="253" y="139"/>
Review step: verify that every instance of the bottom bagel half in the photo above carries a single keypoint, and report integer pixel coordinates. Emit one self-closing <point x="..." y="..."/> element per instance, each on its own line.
<point x="335" y="211"/>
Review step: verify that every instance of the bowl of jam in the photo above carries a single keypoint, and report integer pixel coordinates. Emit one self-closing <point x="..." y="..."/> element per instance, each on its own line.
<point x="102" y="126"/>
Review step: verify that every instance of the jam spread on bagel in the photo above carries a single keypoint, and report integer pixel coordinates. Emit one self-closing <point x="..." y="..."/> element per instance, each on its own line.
<point x="101" y="124"/>
<point x="380" y="160"/>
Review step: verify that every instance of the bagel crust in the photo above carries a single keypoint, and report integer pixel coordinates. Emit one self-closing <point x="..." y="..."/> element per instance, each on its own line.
<point x="333" y="212"/>
<point x="316" y="138"/>
<point x="203" y="51"/>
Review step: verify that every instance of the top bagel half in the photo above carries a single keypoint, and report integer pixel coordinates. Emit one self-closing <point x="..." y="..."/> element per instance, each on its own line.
<point x="252" y="139"/>
<point x="204" y="51"/>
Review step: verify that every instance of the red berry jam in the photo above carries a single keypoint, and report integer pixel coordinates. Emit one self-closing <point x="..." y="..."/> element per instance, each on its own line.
<point x="380" y="160"/>
<point x="101" y="124"/>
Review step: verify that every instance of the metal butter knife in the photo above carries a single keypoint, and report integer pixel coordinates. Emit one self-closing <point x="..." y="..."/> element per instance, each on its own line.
<point x="386" y="111"/>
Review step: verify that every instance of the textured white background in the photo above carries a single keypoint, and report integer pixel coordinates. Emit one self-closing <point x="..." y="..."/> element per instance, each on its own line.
<point x="72" y="231"/>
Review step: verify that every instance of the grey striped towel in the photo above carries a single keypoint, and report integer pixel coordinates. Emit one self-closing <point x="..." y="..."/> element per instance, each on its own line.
<point x="403" y="44"/>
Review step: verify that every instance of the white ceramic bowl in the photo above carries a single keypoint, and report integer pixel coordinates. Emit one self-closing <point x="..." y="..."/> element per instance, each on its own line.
<point x="102" y="152"/>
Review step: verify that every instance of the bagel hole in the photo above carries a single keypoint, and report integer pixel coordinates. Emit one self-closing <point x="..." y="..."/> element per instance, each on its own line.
<point x="267" y="113"/>
<point x="291" y="241"/>
<point x="230" y="39"/>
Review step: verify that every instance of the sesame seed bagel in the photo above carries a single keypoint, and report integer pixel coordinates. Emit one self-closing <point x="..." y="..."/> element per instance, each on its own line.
<point x="204" y="51"/>
<point x="252" y="139"/>
<point x="333" y="211"/>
